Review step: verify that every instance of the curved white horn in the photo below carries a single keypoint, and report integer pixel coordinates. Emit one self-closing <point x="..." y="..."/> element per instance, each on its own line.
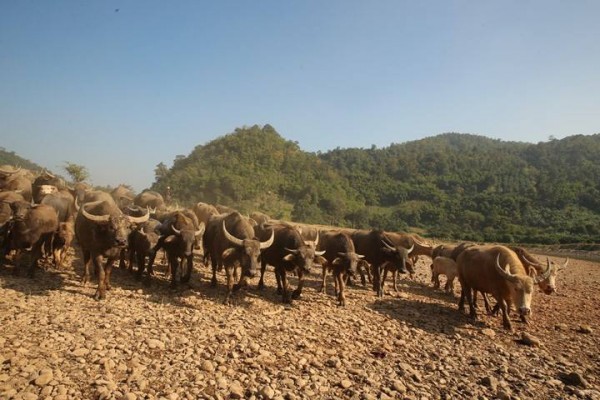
<point x="139" y="220"/>
<point x="504" y="273"/>
<point x="264" y="245"/>
<point x="92" y="217"/>
<point x="231" y="238"/>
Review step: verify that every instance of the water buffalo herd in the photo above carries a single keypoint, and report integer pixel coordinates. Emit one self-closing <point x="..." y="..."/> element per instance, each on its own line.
<point x="41" y="216"/>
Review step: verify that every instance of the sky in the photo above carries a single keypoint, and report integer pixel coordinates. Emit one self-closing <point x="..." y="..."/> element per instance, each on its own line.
<point x="120" y="86"/>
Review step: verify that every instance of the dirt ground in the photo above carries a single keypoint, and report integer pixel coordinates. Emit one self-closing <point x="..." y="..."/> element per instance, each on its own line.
<point x="152" y="342"/>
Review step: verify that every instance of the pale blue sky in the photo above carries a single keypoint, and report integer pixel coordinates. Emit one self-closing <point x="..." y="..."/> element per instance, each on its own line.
<point x="121" y="91"/>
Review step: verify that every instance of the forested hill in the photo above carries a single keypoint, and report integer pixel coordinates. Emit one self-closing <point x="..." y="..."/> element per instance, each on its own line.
<point x="10" y="158"/>
<point x="452" y="186"/>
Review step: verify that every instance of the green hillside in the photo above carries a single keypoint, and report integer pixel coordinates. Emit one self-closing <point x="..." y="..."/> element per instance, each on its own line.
<point x="451" y="186"/>
<point x="10" y="158"/>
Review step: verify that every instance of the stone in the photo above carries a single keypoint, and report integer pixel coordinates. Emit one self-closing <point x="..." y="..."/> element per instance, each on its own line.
<point x="399" y="386"/>
<point x="585" y="329"/>
<point x="236" y="391"/>
<point x="44" y="378"/>
<point x="490" y="382"/>
<point x="345" y="383"/>
<point x="489" y="333"/>
<point x="529" y="340"/>
<point x="207" y="366"/>
<point x="267" y="392"/>
<point x="573" y="379"/>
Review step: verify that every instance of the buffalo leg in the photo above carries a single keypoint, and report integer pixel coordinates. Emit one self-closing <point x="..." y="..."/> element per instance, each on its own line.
<point x="395" y="279"/>
<point x="122" y="255"/>
<point x="101" y="290"/>
<point x="140" y="261"/>
<point x="190" y="267"/>
<point x="213" y="280"/>
<point x="436" y="280"/>
<point x="279" y="284"/>
<point x="284" y="285"/>
<point x="340" y="279"/>
<point x="36" y="254"/>
<point x="174" y="267"/>
<point x="229" y="274"/>
<point x="261" y="281"/>
<point x="133" y="257"/>
<point x="296" y="293"/>
<point x="323" y="288"/>
<point x="108" y="271"/>
<point x="505" y="320"/>
<point x="87" y="260"/>
<point x="472" y="311"/>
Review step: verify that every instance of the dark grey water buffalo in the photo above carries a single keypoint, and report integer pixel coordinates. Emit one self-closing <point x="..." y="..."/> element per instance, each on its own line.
<point x="180" y="235"/>
<point x="46" y="183"/>
<point x="230" y="241"/>
<point x="378" y="250"/>
<point x="141" y="243"/>
<point x="341" y="258"/>
<point x="288" y="253"/>
<point x="102" y="230"/>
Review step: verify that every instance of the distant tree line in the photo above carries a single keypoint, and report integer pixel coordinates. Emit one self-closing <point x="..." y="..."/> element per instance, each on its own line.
<point x="454" y="186"/>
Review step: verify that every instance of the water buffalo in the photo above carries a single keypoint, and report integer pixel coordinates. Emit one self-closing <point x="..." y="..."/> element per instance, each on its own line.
<point x="102" y="230"/>
<point x="229" y="240"/>
<point x="341" y="258"/>
<point x="46" y="183"/>
<point x="180" y="233"/>
<point x="204" y="211"/>
<point x="141" y="243"/>
<point x="496" y="270"/>
<point x="288" y="253"/>
<point x="123" y="196"/>
<point x="379" y="249"/>
<point x="548" y="285"/>
<point x="444" y="266"/>
<point x="150" y="199"/>
<point x="12" y="179"/>
<point x="33" y="225"/>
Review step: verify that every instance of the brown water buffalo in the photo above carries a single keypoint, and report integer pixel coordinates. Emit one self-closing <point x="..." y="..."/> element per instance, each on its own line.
<point x="61" y="242"/>
<point x="496" y="270"/>
<point x="32" y="226"/>
<point x="230" y="241"/>
<point x="548" y="285"/>
<point x="123" y="196"/>
<point x="378" y="249"/>
<point x="444" y="266"/>
<point x="204" y="211"/>
<point x="102" y="230"/>
<point x="12" y="179"/>
<point x="288" y="253"/>
<point x="150" y="199"/>
<point x="341" y="258"/>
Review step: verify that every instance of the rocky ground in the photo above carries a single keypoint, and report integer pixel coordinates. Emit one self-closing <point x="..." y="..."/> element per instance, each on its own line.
<point x="151" y="342"/>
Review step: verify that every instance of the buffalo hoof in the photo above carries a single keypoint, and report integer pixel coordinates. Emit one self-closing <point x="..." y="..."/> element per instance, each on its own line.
<point x="213" y="282"/>
<point x="185" y="279"/>
<point x="100" y="295"/>
<point x="279" y="290"/>
<point x="296" y="294"/>
<point x="261" y="285"/>
<point x="237" y="287"/>
<point x="286" y="299"/>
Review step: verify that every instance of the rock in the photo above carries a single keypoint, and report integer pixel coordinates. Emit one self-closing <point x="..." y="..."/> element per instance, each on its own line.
<point x="129" y="396"/>
<point x="267" y="392"/>
<point x="561" y="327"/>
<point x="529" y="340"/>
<point x="155" y="344"/>
<point x="29" y="396"/>
<point x="44" y="378"/>
<point x="489" y="333"/>
<point x="80" y="352"/>
<point x="573" y="379"/>
<point x="503" y="394"/>
<point x="345" y="383"/>
<point x="236" y="391"/>
<point x="490" y="382"/>
<point x="585" y="329"/>
<point x="399" y="386"/>
<point x="207" y="366"/>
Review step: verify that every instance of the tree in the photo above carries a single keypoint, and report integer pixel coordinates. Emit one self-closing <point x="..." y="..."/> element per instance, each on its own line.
<point x="78" y="173"/>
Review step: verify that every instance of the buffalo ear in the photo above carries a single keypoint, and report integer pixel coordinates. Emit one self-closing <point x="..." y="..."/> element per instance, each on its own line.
<point x="320" y="260"/>
<point x="289" y="257"/>
<point x="337" y="261"/>
<point x="170" y="238"/>
<point x="228" y="253"/>
<point x="387" y="250"/>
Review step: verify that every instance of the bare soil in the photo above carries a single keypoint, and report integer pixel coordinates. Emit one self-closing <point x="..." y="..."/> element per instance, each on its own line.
<point x="153" y="342"/>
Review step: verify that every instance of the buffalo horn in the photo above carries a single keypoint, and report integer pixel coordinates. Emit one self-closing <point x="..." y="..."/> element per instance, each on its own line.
<point x="200" y="230"/>
<point x="388" y="245"/>
<point x="546" y="274"/>
<point x="92" y="217"/>
<point x="411" y="248"/>
<point x="177" y="231"/>
<point x="9" y="172"/>
<point x="264" y="245"/>
<point x="319" y="253"/>
<point x="504" y="273"/>
<point x="532" y="262"/>
<point x="231" y="238"/>
<point x="139" y="220"/>
<point x="293" y="251"/>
